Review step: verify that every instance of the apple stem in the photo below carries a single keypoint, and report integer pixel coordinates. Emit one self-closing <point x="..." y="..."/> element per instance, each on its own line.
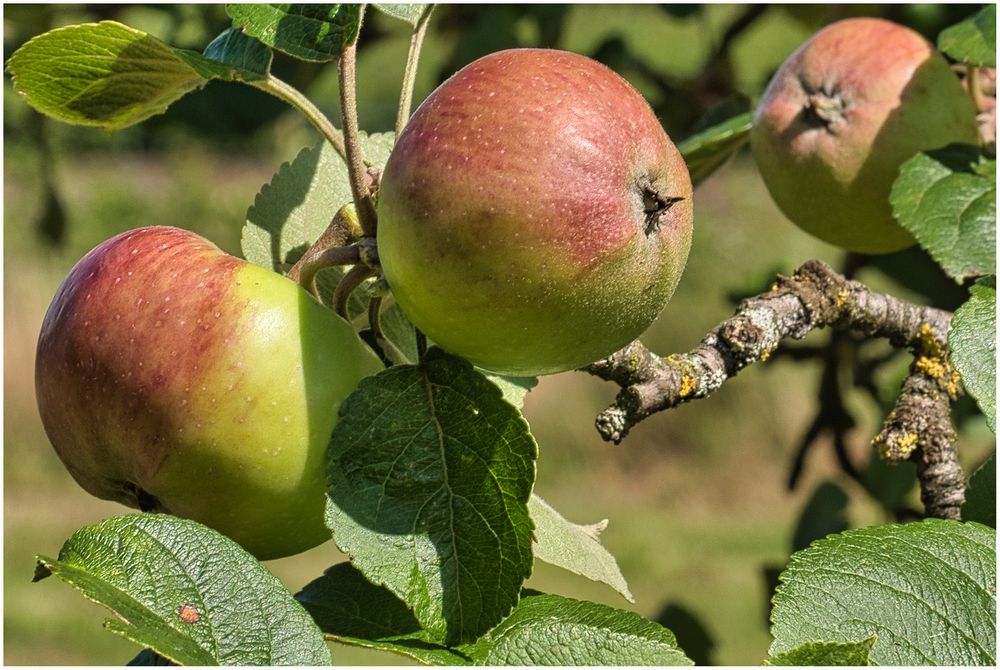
<point x="295" y="98"/>
<point x="421" y="344"/>
<point x="391" y="351"/>
<point x="410" y="74"/>
<point x="352" y="144"/>
<point x="325" y="259"/>
<point x="345" y="288"/>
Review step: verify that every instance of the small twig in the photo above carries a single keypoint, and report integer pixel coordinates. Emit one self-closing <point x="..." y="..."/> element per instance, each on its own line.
<point x="356" y="170"/>
<point x="814" y="297"/>
<point x="410" y="74"/>
<point x="919" y="428"/>
<point x="295" y="98"/>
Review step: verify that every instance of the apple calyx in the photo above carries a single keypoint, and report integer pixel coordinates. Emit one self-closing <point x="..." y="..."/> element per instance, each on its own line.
<point x="825" y="109"/>
<point x="656" y="200"/>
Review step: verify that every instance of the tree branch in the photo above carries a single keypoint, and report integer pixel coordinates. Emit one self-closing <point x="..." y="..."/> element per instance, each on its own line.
<point x="814" y="297"/>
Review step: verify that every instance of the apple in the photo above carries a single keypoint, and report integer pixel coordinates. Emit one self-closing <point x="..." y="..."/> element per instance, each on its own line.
<point x="841" y="115"/>
<point x="173" y="377"/>
<point x="534" y="216"/>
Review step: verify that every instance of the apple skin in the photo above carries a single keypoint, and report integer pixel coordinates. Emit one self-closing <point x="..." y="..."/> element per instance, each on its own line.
<point x="841" y="116"/>
<point x="513" y="228"/>
<point x="173" y="377"/>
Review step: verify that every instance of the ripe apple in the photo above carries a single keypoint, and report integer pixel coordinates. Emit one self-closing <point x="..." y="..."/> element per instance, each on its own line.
<point x="173" y="377"/>
<point x="841" y="115"/>
<point x="534" y="216"/>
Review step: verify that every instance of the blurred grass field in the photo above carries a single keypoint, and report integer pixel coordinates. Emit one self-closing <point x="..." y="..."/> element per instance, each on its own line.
<point x="696" y="497"/>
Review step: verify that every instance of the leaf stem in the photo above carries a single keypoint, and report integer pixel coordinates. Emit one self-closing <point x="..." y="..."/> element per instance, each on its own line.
<point x="295" y="98"/>
<point x="363" y="201"/>
<point x="410" y="75"/>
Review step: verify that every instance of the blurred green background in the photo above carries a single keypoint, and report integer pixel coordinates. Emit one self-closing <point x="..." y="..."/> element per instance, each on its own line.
<point x="701" y="511"/>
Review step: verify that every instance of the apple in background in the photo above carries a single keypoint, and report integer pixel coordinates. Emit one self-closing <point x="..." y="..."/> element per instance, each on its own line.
<point x="841" y="115"/>
<point x="534" y="216"/>
<point x="173" y="377"/>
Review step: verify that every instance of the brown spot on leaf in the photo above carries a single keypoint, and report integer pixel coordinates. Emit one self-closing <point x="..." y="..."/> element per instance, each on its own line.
<point x="189" y="614"/>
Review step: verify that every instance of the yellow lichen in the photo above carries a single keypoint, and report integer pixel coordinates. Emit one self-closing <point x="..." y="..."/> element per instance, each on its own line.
<point x="895" y="450"/>
<point x="688" y="386"/>
<point x="906" y="444"/>
<point x="842" y="297"/>
<point x="933" y="361"/>
<point x="932" y="367"/>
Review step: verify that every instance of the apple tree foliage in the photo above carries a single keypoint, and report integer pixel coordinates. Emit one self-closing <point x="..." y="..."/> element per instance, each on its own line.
<point x="432" y="465"/>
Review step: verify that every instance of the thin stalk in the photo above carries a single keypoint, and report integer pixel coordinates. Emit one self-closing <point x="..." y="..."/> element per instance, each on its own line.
<point x="348" y="283"/>
<point x="296" y="99"/>
<point x="410" y="75"/>
<point x="352" y="144"/>
<point x="327" y="258"/>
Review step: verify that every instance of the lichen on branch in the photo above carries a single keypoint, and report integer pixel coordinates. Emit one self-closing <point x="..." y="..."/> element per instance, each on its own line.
<point x="815" y="296"/>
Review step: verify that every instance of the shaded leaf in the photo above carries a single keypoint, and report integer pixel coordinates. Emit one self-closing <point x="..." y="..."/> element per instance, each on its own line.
<point x="295" y="208"/>
<point x="974" y="40"/>
<point x="927" y="591"/>
<point x="430" y="476"/>
<point x="187" y="592"/>
<point x="709" y="149"/>
<point x="826" y="653"/>
<point x="575" y="548"/>
<point x="551" y="630"/>
<point x="514" y="389"/>
<point x="973" y="346"/>
<point x="947" y="199"/>
<point x="309" y="32"/>
<point x="410" y="13"/>
<point x="244" y="54"/>
<point x="981" y="495"/>
<point x="352" y="610"/>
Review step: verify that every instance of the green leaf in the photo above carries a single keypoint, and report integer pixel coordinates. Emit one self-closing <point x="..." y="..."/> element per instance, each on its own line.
<point x="551" y="630"/>
<point x="106" y="74"/>
<point x="826" y="653"/>
<point x="430" y="474"/>
<point x="927" y="590"/>
<point x="947" y="199"/>
<point x="974" y="40"/>
<point x="514" y="389"/>
<point x="709" y="149"/>
<point x="187" y="592"/>
<point x="981" y="495"/>
<point x="243" y="54"/>
<point x="410" y="13"/>
<point x="973" y="346"/>
<point x="293" y="210"/>
<point x="574" y="548"/>
<point x="308" y="32"/>
<point x="353" y="611"/>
